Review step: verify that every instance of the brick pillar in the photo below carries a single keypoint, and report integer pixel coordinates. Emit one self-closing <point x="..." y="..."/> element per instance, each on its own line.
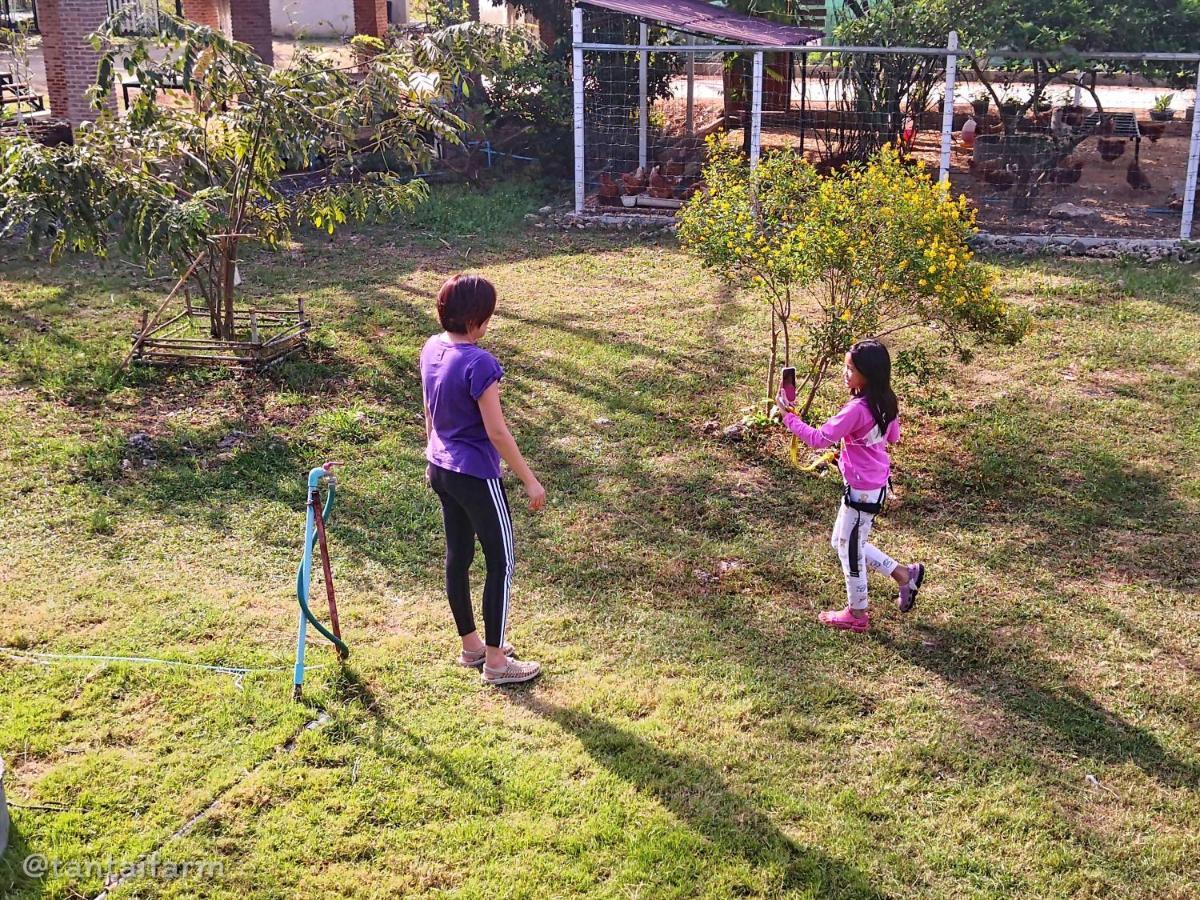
<point x="208" y="12"/>
<point x="71" y="62"/>
<point x="248" y="21"/>
<point x="370" y="17"/>
<point x="251" y="23"/>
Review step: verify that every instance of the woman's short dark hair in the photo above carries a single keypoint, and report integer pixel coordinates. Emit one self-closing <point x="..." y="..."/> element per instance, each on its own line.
<point x="465" y="302"/>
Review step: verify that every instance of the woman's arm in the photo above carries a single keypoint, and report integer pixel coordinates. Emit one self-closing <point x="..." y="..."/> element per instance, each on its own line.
<point x="502" y="439"/>
<point x="428" y="431"/>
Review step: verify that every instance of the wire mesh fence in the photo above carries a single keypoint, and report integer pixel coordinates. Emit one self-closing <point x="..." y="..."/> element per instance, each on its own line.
<point x="1091" y="147"/>
<point x="1090" y="151"/>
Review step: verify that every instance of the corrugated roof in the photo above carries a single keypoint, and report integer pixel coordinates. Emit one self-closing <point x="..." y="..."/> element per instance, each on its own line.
<point x="698" y="17"/>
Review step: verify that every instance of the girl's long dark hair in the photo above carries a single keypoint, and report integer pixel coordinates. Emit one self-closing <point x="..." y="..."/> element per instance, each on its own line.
<point x="874" y="363"/>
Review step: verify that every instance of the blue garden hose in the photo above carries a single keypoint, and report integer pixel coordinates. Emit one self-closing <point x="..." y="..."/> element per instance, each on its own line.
<point x="314" y="536"/>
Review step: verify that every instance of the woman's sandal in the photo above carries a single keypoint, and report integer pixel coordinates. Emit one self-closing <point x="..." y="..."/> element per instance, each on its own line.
<point x="470" y="659"/>
<point x="513" y="673"/>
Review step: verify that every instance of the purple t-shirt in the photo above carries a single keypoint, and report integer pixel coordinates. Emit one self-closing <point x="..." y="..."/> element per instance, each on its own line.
<point x="453" y="376"/>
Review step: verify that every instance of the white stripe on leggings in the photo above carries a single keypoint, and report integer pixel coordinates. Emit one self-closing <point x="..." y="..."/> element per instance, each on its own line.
<point x="506" y="535"/>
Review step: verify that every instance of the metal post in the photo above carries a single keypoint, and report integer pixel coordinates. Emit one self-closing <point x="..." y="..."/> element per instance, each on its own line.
<point x="803" y="97"/>
<point x="948" y="107"/>
<point x="691" y="93"/>
<point x="643" y="92"/>
<point x="756" y="108"/>
<point x="1189" y="190"/>
<point x="577" y="65"/>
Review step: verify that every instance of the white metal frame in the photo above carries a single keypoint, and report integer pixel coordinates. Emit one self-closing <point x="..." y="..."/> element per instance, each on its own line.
<point x="948" y="107"/>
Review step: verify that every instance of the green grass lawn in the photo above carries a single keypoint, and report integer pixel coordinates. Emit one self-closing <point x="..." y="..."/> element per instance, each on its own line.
<point x="1031" y="729"/>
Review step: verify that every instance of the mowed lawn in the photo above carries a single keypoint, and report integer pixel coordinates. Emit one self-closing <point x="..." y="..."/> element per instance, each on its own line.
<point x="1032" y="729"/>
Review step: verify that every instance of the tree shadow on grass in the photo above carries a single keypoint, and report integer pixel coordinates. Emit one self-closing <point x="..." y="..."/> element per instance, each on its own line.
<point x="1082" y="506"/>
<point x="14" y="882"/>
<point x="1038" y="691"/>
<point x="699" y="796"/>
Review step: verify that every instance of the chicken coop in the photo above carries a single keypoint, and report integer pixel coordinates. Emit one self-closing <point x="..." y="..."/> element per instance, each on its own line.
<point x="653" y="80"/>
<point x="1103" y="146"/>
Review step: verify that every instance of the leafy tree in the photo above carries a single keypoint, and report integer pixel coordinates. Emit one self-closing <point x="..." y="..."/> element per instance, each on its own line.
<point x="878" y="250"/>
<point x="881" y="90"/>
<point x="1069" y="31"/>
<point x="186" y="184"/>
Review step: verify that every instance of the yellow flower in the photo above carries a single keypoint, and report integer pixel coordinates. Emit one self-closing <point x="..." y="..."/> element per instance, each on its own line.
<point x="922" y="282"/>
<point x="846" y="316"/>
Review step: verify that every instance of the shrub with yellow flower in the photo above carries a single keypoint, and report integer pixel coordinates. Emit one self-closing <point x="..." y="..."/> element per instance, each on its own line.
<point x="863" y="245"/>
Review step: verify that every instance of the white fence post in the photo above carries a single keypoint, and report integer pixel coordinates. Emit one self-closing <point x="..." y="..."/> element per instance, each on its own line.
<point x="577" y="75"/>
<point x="690" y="126"/>
<point x="1189" y="189"/>
<point x="643" y="91"/>
<point x="756" y="85"/>
<point x="948" y="107"/>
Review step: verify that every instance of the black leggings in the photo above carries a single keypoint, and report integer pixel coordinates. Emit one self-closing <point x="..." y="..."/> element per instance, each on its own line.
<point x="476" y="507"/>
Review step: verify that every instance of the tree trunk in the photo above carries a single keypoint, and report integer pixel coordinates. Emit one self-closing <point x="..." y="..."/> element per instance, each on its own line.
<point x="774" y="358"/>
<point x="816" y="383"/>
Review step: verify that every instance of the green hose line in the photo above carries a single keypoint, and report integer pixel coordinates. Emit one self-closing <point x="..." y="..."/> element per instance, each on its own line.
<point x="301" y="588"/>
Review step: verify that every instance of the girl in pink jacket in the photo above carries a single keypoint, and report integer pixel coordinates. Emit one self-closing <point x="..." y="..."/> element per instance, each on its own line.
<point x="866" y="426"/>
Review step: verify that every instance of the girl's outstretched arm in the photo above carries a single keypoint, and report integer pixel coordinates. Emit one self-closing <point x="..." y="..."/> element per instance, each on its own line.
<point x="503" y="441"/>
<point x="826" y="435"/>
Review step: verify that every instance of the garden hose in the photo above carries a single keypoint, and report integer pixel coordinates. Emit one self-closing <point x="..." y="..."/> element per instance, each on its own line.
<point x="316" y="519"/>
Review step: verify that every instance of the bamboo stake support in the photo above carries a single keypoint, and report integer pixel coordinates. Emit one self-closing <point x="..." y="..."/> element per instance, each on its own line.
<point x="147" y="325"/>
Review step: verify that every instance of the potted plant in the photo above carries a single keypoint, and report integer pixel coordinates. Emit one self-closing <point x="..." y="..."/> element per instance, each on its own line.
<point x="1161" y="111"/>
<point x="1010" y="108"/>
<point x="981" y="103"/>
<point x="1073" y="113"/>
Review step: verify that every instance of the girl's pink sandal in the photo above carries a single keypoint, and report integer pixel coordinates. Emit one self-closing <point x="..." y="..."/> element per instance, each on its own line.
<point x="845" y="620"/>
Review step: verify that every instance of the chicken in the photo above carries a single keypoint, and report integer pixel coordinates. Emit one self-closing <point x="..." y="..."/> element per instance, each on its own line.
<point x="1152" y="130"/>
<point x="980" y="169"/>
<point x="1108" y="124"/>
<point x="1134" y="175"/>
<point x="661" y="186"/>
<point x="1067" y="173"/>
<point x="692" y="190"/>
<point x="608" y="192"/>
<point x="1110" y="149"/>
<point x="673" y="168"/>
<point x="1001" y="179"/>
<point x="1137" y="178"/>
<point x="634" y="182"/>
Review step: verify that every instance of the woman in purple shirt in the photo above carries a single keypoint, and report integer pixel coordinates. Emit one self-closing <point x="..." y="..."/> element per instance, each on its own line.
<point x="466" y="437"/>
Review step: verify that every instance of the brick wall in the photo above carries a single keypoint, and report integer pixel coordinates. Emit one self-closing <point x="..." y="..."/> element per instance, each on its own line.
<point x="370" y="17"/>
<point x="70" y="60"/>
